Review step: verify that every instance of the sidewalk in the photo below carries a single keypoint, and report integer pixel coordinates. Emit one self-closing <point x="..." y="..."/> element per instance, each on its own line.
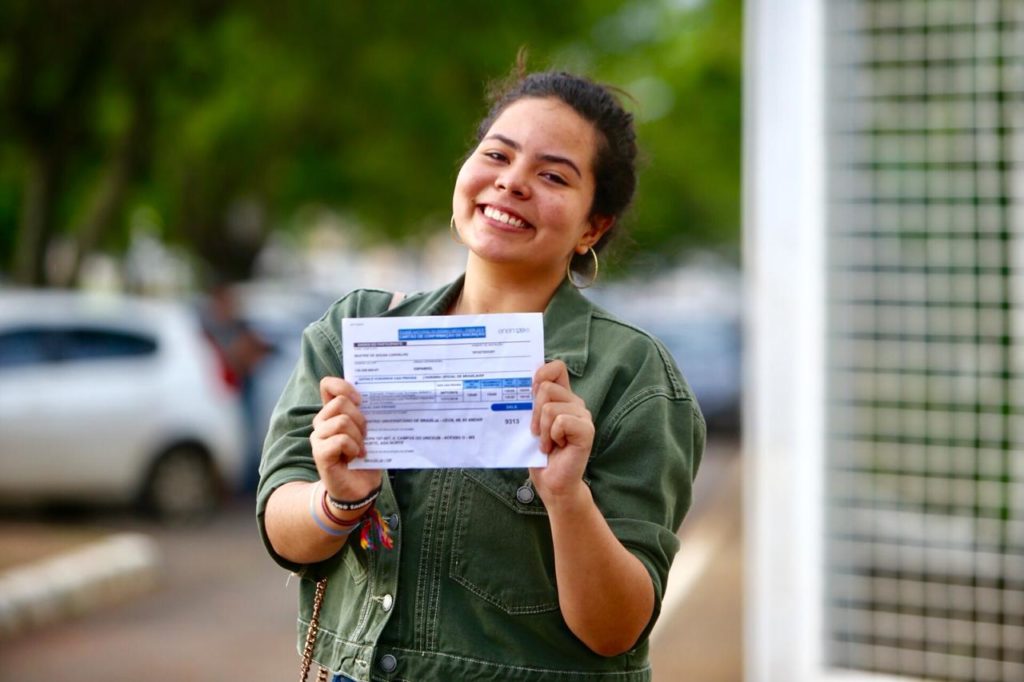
<point x="48" y="574"/>
<point x="699" y="636"/>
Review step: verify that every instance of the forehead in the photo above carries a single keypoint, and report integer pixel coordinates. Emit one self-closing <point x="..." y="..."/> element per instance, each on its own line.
<point x="547" y="126"/>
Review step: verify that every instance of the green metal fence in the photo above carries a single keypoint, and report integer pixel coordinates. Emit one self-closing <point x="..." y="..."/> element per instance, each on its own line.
<point x="925" y="416"/>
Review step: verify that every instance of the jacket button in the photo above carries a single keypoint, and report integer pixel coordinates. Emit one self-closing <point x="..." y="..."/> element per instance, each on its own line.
<point x="388" y="663"/>
<point x="525" y="494"/>
<point x="393" y="522"/>
<point x="387" y="602"/>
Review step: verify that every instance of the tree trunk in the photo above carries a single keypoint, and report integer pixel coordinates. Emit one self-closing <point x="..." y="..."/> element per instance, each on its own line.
<point x="36" y="223"/>
<point x="112" y="186"/>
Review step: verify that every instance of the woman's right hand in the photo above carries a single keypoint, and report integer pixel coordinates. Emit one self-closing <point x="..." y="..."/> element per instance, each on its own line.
<point x="339" y="429"/>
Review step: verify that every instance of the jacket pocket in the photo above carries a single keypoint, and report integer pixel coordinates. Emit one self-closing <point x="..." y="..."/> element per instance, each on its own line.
<point x="501" y="545"/>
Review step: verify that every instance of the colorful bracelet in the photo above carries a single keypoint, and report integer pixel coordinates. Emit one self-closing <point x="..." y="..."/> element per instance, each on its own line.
<point x="334" y="519"/>
<point x="344" y="505"/>
<point x="323" y="526"/>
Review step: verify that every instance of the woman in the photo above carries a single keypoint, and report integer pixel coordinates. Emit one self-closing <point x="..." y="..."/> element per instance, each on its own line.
<point x="554" y="573"/>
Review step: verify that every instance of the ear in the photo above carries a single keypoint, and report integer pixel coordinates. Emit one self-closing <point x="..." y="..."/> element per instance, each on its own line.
<point x="598" y="225"/>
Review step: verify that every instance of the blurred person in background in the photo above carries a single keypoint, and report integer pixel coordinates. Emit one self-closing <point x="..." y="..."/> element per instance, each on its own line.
<point x="242" y="350"/>
<point x="552" y="573"/>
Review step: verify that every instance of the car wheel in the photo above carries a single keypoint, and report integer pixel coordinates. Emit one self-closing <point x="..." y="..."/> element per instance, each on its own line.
<point x="182" y="486"/>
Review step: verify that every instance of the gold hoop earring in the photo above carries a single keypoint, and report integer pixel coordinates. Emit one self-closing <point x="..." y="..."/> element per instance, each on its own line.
<point x="454" y="232"/>
<point x="593" y="278"/>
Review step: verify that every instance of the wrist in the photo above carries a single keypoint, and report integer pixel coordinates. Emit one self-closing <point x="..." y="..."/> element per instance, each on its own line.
<point x="352" y="505"/>
<point x="327" y="522"/>
<point x="568" y="499"/>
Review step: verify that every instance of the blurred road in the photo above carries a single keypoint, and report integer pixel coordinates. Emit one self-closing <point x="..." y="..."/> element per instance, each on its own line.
<point x="222" y="610"/>
<point x="699" y="637"/>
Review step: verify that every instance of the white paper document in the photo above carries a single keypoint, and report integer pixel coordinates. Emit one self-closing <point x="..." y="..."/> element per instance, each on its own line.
<point x="446" y="391"/>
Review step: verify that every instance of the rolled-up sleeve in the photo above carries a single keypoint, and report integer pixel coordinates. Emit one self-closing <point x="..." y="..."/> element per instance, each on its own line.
<point x="641" y="475"/>
<point x="287" y="454"/>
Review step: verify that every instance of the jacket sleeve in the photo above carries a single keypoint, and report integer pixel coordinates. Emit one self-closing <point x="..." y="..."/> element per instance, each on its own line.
<point x="647" y="454"/>
<point x="287" y="454"/>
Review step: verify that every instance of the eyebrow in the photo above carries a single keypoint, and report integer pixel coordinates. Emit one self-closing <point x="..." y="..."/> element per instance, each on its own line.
<point x="551" y="158"/>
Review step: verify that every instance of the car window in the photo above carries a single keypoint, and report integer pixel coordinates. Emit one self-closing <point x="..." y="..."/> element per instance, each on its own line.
<point x="27" y="346"/>
<point x="94" y="344"/>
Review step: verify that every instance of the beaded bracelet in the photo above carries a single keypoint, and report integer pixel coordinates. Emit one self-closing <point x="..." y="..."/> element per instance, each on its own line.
<point x="344" y="505"/>
<point x="323" y="526"/>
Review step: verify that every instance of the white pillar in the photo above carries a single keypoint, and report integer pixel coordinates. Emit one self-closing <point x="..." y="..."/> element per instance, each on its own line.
<point x="783" y="248"/>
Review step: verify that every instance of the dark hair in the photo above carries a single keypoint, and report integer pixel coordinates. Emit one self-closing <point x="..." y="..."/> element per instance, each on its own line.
<point x="615" y="157"/>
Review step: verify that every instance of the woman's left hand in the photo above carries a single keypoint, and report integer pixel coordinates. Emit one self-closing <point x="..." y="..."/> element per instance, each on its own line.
<point x="566" y="431"/>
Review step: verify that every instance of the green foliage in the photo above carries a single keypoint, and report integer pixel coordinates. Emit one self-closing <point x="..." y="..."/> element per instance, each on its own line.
<point x="364" y="107"/>
<point x="684" y="70"/>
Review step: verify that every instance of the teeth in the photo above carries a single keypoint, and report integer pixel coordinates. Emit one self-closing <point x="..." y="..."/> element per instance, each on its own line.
<point x="495" y="214"/>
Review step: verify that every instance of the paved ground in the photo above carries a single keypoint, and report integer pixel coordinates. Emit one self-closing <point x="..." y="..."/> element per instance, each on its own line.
<point x="699" y="635"/>
<point x="221" y="609"/>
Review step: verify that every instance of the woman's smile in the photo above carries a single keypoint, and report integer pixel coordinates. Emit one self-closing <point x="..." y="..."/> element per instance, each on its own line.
<point x="523" y="197"/>
<point x="503" y="218"/>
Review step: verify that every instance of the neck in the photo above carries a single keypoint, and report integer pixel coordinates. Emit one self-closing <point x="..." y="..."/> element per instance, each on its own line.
<point x="492" y="288"/>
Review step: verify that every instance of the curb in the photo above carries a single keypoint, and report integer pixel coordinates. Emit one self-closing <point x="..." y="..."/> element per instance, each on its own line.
<point x="76" y="582"/>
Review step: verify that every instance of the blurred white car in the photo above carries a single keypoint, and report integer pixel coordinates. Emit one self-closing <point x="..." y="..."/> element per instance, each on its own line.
<point x="114" y="399"/>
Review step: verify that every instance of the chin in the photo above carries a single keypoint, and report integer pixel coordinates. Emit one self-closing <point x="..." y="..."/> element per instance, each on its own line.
<point x="496" y="256"/>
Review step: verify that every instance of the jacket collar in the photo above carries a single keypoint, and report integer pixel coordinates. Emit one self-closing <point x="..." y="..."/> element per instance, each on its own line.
<point x="567" y="328"/>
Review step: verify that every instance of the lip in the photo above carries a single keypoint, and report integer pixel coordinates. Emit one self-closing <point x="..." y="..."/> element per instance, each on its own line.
<point x="500" y="225"/>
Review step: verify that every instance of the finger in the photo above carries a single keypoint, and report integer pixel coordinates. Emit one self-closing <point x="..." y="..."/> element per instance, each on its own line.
<point x="554" y="371"/>
<point x="335" y="386"/>
<point x="342" y="423"/>
<point x="339" y="448"/>
<point x="349" y="414"/>
<point x="573" y="429"/>
<point x="549" y="414"/>
<point x="550" y="392"/>
<point x="331" y="408"/>
<point x="340" y="405"/>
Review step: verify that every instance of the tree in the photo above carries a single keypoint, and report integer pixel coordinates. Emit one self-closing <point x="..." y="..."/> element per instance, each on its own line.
<point x="227" y="118"/>
<point x="78" y="98"/>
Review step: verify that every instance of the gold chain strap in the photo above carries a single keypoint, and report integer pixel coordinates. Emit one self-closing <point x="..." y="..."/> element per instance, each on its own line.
<point x="314" y="627"/>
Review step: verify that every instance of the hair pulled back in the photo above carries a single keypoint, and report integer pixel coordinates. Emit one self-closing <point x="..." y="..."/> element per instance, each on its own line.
<point x="615" y="157"/>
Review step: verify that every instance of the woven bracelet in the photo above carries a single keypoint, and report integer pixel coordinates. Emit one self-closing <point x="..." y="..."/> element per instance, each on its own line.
<point x="323" y="526"/>
<point x="334" y="519"/>
<point x="344" y="505"/>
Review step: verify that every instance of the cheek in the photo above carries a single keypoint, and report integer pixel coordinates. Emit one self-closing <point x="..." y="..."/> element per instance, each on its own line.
<point x="566" y="212"/>
<point x="460" y="181"/>
<point x="471" y="178"/>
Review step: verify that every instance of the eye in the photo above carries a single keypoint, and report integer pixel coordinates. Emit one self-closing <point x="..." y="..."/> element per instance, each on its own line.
<point x="495" y="155"/>
<point x="554" y="177"/>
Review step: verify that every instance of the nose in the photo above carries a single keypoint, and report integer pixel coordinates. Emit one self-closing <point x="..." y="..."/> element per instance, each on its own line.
<point x="511" y="180"/>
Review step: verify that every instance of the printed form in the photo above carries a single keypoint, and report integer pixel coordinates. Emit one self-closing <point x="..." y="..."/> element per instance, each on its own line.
<point x="446" y="391"/>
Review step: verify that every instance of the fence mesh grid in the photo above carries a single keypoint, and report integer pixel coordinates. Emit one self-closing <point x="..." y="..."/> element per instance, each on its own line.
<point x="925" y="415"/>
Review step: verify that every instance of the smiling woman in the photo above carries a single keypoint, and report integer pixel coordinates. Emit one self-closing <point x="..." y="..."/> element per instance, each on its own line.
<point x="523" y="198"/>
<point x="551" y="573"/>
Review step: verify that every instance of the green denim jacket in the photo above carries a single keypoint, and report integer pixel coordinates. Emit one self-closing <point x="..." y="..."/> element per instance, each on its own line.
<point x="468" y="592"/>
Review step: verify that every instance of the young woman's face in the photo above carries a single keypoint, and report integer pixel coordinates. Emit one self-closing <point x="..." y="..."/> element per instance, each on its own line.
<point x="523" y="197"/>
